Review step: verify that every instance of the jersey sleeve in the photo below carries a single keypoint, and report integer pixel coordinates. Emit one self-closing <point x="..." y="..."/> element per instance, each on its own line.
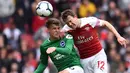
<point x="66" y="28"/>
<point x="43" y="62"/>
<point x="68" y="47"/>
<point x="93" y="21"/>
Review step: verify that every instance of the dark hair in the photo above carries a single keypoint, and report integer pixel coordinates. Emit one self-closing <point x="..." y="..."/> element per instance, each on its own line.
<point x="66" y="13"/>
<point x="52" y="21"/>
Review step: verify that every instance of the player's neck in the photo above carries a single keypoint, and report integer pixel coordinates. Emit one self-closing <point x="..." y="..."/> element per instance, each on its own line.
<point x="53" y="38"/>
<point x="79" y="23"/>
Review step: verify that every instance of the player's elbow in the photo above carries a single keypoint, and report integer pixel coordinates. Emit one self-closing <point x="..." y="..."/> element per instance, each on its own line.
<point x="105" y="23"/>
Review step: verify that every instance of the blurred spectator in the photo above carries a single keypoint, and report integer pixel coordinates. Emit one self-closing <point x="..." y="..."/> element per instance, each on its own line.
<point x="123" y="4"/>
<point x="17" y="56"/>
<point x="38" y="43"/>
<point x="62" y="5"/>
<point x="27" y="41"/>
<point x="115" y="62"/>
<point x="127" y="61"/>
<point x="19" y="19"/>
<point x="86" y="8"/>
<point x="7" y="8"/>
<point x="121" y="68"/>
<point x="123" y="23"/>
<point x="3" y="70"/>
<point x="104" y="6"/>
<point x="31" y="60"/>
<point x="127" y="31"/>
<point x="75" y="7"/>
<point x="14" y="68"/>
<point x="110" y="43"/>
<point x="111" y="13"/>
<point x="56" y="14"/>
<point x="3" y="40"/>
<point x="3" y="57"/>
<point x="26" y="6"/>
<point x="12" y="33"/>
<point x="128" y="11"/>
<point x="42" y="33"/>
<point x="28" y="68"/>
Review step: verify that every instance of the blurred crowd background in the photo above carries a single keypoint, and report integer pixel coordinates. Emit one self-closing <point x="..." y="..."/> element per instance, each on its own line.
<point x="22" y="32"/>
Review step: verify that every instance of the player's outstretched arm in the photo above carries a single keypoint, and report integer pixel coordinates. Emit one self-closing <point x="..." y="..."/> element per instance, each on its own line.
<point x="43" y="62"/>
<point x="120" y="39"/>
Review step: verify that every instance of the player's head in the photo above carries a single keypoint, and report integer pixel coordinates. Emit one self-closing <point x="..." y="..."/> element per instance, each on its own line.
<point x="70" y="18"/>
<point x="54" y="27"/>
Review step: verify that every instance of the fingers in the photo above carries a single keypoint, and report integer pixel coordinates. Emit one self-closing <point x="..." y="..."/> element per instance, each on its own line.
<point x="50" y="50"/>
<point x="123" y="43"/>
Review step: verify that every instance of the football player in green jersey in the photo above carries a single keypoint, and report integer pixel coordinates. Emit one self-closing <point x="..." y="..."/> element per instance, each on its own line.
<point x="61" y="51"/>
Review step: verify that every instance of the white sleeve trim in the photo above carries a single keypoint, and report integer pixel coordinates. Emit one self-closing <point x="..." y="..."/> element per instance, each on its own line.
<point x="66" y="28"/>
<point x="101" y="22"/>
<point x="93" y="21"/>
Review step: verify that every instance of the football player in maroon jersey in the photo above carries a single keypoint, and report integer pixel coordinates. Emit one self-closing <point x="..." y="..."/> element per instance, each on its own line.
<point x="93" y="57"/>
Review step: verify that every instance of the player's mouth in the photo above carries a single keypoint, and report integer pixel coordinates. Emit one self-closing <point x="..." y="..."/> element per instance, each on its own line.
<point x="56" y="34"/>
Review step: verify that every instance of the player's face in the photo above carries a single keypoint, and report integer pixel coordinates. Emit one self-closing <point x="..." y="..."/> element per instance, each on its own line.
<point x="54" y="31"/>
<point x="72" y="22"/>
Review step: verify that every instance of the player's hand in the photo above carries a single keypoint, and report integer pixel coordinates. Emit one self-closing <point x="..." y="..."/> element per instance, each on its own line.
<point x="64" y="71"/>
<point x="122" y="41"/>
<point x="50" y="50"/>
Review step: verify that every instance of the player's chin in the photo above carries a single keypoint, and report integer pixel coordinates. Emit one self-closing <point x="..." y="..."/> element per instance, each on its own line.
<point x="57" y="36"/>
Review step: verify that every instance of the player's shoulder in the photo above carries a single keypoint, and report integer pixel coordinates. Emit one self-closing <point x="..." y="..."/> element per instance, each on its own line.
<point x="91" y="17"/>
<point x="45" y="42"/>
<point x="88" y="20"/>
<point x="66" y="28"/>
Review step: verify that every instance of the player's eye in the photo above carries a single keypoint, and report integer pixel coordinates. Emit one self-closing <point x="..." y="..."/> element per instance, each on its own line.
<point x="58" y="28"/>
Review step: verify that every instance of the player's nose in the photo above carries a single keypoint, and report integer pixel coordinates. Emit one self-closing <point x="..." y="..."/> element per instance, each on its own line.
<point x="57" y="30"/>
<point x="70" y="24"/>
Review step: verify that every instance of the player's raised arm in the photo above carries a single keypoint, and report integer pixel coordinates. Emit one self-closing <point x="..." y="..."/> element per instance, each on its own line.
<point x="43" y="62"/>
<point x="120" y="39"/>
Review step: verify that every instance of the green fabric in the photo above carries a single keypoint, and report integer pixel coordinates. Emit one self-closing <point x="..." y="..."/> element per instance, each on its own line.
<point x="65" y="55"/>
<point x="43" y="62"/>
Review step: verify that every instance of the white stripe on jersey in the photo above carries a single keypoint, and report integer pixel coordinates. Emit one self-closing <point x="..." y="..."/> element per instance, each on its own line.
<point x="66" y="28"/>
<point x="93" y="21"/>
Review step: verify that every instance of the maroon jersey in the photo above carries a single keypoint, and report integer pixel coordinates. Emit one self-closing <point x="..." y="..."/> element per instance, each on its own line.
<point x="86" y="37"/>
